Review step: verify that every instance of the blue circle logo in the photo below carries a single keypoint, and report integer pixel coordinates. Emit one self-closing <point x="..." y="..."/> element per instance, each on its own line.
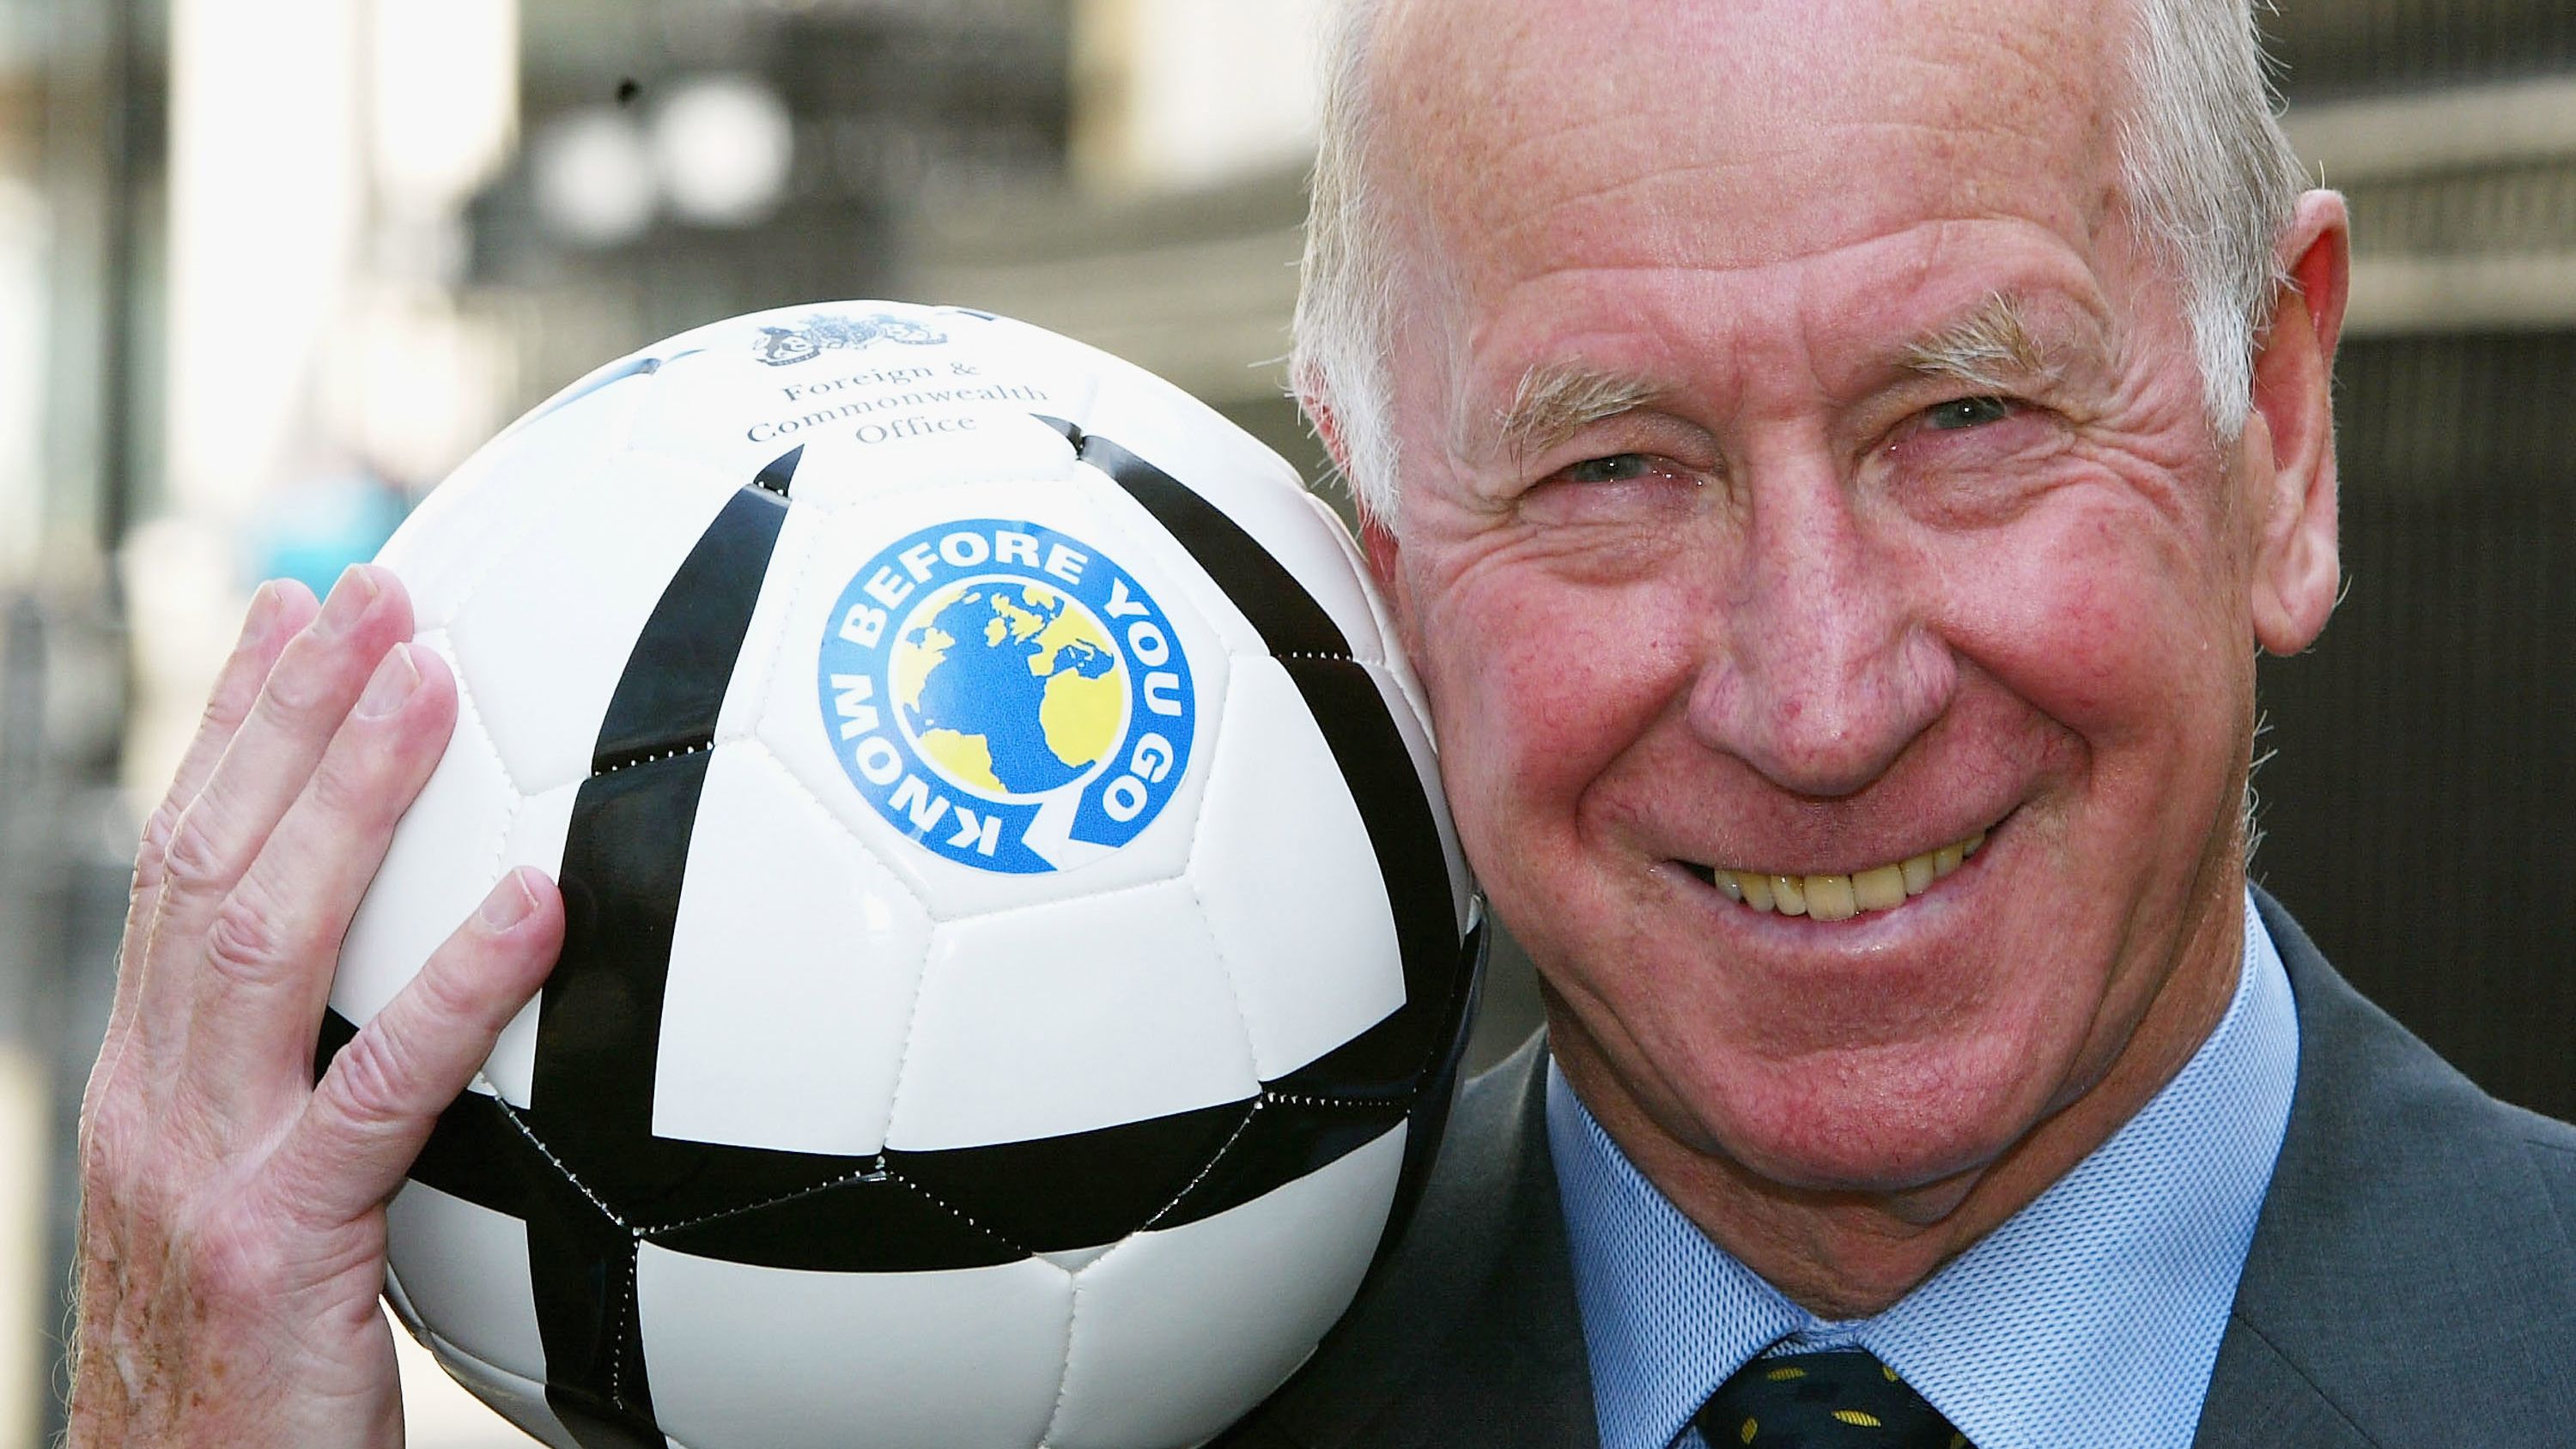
<point x="1006" y="695"/>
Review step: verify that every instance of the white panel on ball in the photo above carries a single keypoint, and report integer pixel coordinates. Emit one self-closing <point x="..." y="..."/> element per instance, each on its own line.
<point x="959" y="1359"/>
<point x="1290" y="885"/>
<point x="464" y="1270"/>
<point x="546" y="635"/>
<point x="791" y="936"/>
<point x="520" y="1400"/>
<point x="448" y="854"/>
<point x="512" y="486"/>
<point x="536" y="838"/>
<point x="1215" y="1314"/>
<point x="1078" y="1015"/>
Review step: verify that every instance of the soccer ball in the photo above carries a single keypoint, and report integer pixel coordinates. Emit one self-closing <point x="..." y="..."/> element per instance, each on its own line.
<point x="1016" y="954"/>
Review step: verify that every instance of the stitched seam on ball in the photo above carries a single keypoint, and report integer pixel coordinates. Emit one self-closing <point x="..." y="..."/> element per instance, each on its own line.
<point x="1205" y="747"/>
<point x="695" y="745"/>
<point x="511" y="1115"/>
<point x="465" y="704"/>
<point x="1205" y="1168"/>
<point x="960" y="1214"/>
<point x="1064" y="1375"/>
<point x="1207" y="926"/>
<point x="1405" y="689"/>
<point x="998" y="912"/>
<point x="501" y="840"/>
<point x="500" y="868"/>
<point x="1233" y="991"/>
<point x="464" y="592"/>
<point x="911" y="1029"/>
<point x="805" y="796"/>
<point x="617" y="1356"/>
<point x="875" y="1171"/>
<point x="1300" y="1099"/>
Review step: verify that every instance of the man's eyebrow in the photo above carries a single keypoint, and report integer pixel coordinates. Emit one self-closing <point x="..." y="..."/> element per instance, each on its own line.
<point x="1556" y="399"/>
<point x="1989" y="348"/>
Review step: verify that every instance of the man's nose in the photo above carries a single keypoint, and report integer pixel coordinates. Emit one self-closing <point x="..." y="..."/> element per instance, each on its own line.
<point x="1825" y="665"/>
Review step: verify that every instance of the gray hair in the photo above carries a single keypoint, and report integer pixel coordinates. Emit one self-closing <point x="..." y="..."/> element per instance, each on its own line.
<point x="2203" y="161"/>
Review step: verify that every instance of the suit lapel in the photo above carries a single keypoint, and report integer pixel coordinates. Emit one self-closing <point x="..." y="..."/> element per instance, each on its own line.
<point x="2260" y="1400"/>
<point x="2408" y="1266"/>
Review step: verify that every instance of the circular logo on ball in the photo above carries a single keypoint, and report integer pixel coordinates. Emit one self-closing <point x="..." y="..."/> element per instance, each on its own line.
<point x="1006" y="695"/>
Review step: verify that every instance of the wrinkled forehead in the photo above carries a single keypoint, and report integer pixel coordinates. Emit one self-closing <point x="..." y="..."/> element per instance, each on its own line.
<point x="1742" y="131"/>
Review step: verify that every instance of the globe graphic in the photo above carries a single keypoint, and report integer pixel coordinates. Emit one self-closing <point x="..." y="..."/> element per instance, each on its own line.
<point x="1008" y="687"/>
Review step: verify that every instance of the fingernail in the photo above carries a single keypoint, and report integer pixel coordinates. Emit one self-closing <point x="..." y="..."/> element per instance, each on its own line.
<point x="350" y="597"/>
<point x="262" y="616"/>
<point x="508" y="904"/>
<point x="391" y="685"/>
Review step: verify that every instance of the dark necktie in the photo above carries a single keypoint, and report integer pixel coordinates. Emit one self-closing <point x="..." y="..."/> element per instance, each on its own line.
<point x="1840" y="1400"/>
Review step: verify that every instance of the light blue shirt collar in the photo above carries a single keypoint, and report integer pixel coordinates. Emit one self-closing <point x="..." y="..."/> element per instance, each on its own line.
<point x="2092" y="1316"/>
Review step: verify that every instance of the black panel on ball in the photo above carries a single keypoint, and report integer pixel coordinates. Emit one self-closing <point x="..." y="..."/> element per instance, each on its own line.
<point x="1083" y="1189"/>
<point x="871" y="1223"/>
<point x="1412" y="1055"/>
<point x="675" y="679"/>
<point x="599" y="1020"/>
<point x="1285" y="1139"/>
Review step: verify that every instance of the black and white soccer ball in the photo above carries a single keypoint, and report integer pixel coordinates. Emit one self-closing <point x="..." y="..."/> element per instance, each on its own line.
<point x="1017" y="954"/>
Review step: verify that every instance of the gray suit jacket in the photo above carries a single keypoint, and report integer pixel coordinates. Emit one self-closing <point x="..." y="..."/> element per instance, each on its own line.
<point x="2412" y="1280"/>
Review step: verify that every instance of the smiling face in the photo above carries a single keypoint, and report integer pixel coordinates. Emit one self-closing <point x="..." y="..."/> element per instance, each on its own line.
<point x="1806" y="470"/>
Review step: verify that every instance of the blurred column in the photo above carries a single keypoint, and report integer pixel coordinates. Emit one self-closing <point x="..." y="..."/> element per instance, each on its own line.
<point x="25" y="1147"/>
<point x="419" y="385"/>
<point x="322" y="152"/>
<point x="267" y="137"/>
<point x="266" y="184"/>
<point x="24" y="224"/>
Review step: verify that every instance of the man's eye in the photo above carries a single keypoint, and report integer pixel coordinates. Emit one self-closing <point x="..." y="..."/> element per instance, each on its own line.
<point x="1969" y="412"/>
<point x="1617" y="468"/>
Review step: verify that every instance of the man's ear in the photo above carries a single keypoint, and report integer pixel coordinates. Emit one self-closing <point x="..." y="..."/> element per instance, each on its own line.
<point x="2288" y="452"/>
<point x="1377" y="534"/>
<point x="1377" y="538"/>
<point x="1378" y="546"/>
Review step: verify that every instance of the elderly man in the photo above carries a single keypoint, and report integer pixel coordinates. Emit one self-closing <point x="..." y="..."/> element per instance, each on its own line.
<point x="1833" y="464"/>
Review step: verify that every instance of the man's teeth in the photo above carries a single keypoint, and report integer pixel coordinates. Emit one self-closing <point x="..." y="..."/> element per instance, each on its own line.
<point x="1841" y="897"/>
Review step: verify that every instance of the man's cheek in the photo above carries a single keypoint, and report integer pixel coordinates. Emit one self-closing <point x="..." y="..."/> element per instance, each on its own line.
<point x="2089" y="627"/>
<point x="1524" y="721"/>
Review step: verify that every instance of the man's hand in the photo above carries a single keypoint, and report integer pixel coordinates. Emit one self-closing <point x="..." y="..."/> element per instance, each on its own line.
<point x="232" y="1234"/>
